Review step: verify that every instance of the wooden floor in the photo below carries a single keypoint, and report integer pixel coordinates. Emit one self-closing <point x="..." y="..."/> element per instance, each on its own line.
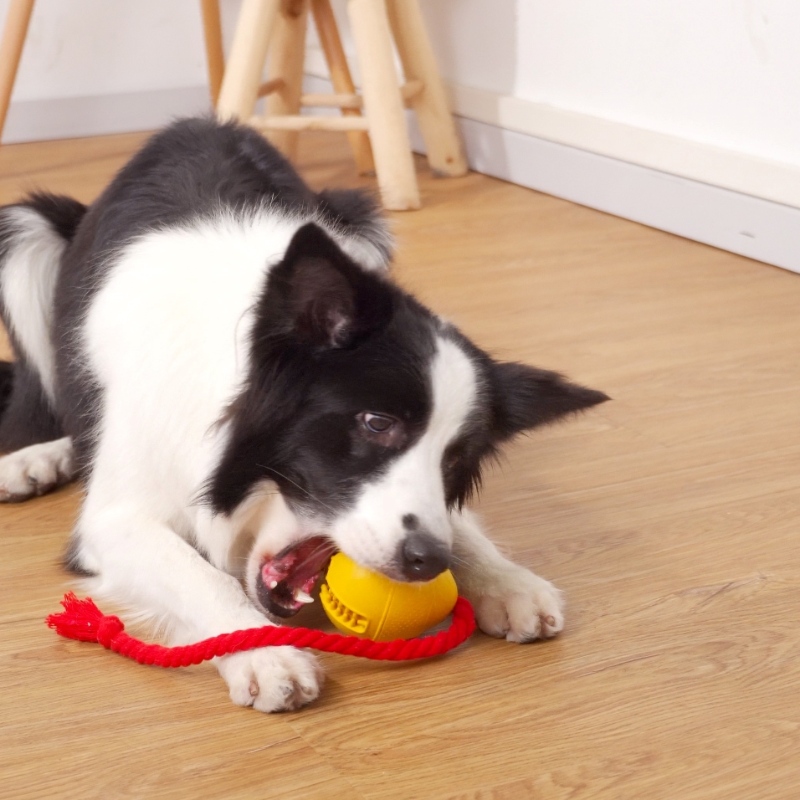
<point x="670" y="517"/>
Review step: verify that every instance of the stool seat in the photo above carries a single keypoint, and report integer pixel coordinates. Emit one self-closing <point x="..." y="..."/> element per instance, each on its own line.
<point x="373" y="119"/>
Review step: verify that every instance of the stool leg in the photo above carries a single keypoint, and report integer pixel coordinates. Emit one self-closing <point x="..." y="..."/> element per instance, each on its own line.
<point x="383" y="105"/>
<point x="286" y="58"/>
<point x="16" y="28"/>
<point x="215" y="55"/>
<point x="445" y="155"/>
<point x="237" y="97"/>
<point x="342" y="80"/>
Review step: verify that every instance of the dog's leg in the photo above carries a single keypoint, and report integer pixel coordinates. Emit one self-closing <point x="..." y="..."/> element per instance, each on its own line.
<point x="509" y="600"/>
<point x="35" y="470"/>
<point x="143" y="564"/>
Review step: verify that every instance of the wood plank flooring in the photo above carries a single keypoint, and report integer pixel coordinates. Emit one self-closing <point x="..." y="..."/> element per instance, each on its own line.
<point x="670" y="517"/>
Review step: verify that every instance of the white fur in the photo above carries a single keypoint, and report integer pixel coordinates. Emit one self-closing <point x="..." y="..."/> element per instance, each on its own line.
<point x="155" y="450"/>
<point x="36" y="469"/>
<point x="175" y="313"/>
<point x="368" y="252"/>
<point x="27" y="283"/>
<point x="509" y="600"/>
<point x="373" y="530"/>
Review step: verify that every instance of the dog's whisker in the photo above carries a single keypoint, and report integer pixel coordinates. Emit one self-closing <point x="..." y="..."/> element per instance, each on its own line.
<point x="294" y="483"/>
<point x="461" y="562"/>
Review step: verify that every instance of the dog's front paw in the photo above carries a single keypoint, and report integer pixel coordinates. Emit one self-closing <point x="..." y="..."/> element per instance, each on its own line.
<point x="272" y="678"/>
<point x="519" y="606"/>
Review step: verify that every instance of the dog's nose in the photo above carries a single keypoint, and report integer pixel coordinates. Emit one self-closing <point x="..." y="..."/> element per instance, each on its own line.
<point x="422" y="557"/>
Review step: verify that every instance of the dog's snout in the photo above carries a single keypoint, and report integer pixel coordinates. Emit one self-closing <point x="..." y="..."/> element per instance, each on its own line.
<point x="423" y="557"/>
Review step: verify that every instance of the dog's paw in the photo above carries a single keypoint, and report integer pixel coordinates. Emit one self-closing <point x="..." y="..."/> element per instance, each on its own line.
<point x="272" y="678"/>
<point x="519" y="606"/>
<point x="36" y="470"/>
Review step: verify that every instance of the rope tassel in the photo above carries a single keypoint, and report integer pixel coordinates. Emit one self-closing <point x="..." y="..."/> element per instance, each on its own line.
<point x="84" y="621"/>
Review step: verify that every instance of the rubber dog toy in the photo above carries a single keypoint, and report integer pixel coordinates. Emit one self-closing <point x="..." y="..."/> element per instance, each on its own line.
<point x="365" y="603"/>
<point x="376" y="610"/>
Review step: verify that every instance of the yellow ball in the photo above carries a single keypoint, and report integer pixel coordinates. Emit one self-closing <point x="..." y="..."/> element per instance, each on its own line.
<point x="365" y="603"/>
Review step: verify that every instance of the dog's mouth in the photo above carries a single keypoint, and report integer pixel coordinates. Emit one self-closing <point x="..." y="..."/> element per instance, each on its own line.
<point x="285" y="581"/>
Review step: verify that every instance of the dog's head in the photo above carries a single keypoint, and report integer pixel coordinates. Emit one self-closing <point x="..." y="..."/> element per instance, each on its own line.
<point x="372" y="416"/>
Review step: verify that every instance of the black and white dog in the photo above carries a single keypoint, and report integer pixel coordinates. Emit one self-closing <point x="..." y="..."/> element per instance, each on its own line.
<point x="220" y="353"/>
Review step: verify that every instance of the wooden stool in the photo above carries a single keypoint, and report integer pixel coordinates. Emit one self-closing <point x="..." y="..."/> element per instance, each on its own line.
<point x="16" y="30"/>
<point x="379" y="137"/>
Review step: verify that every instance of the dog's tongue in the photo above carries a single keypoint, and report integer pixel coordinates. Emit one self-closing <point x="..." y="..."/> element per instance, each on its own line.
<point x="288" y="579"/>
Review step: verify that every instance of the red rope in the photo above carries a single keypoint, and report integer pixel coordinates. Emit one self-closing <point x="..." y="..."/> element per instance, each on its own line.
<point x="83" y="620"/>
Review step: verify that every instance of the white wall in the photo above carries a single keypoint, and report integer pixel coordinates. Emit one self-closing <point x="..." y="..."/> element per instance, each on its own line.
<point x="720" y="72"/>
<point x="102" y="66"/>
<point x="606" y="102"/>
<point x="98" y="47"/>
<point x="708" y="89"/>
<point x="476" y="41"/>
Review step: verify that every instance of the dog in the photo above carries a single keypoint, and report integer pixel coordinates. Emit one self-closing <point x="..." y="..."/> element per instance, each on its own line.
<point x="220" y="354"/>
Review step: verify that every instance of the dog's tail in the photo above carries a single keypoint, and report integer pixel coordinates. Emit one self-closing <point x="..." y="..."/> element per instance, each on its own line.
<point x="33" y="237"/>
<point x="355" y="219"/>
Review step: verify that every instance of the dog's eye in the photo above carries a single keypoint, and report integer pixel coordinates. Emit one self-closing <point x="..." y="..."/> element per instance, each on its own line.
<point x="377" y="423"/>
<point x="382" y="430"/>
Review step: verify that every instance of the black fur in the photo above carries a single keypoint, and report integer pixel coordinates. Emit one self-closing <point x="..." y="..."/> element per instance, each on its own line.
<point x="296" y="422"/>
<point x="514" y="398"/>
<point x="527" y="397"/>
<point x="330" y="340"/>
<point x="354" y="212"/>
<point x="192" y="169"/>
<point x="28" y="417"/>
<point x="26" y="414"/>
<point x="63" y="213"/>
<point x="6" y="384"/>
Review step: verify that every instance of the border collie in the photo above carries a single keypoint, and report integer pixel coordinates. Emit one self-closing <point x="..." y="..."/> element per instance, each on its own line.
<point x="220" y="354"/>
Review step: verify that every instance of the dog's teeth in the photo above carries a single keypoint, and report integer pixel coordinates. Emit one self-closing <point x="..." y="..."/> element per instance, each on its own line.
<point x="303" y="597"/>
<point x="273" y="585"/>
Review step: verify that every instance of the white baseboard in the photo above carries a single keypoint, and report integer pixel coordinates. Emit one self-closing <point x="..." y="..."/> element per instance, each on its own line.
<point x="733" y="221"/>
<point x="69" y="117"/>
<point x="729" y="169"/>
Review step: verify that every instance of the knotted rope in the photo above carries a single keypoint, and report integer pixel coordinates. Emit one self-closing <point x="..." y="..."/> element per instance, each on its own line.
<point x="83" y="620"/>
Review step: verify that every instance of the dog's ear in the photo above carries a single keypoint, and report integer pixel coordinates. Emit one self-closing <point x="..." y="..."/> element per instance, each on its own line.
<point x="528" y="397"/>
<point x="330" y="300"/>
